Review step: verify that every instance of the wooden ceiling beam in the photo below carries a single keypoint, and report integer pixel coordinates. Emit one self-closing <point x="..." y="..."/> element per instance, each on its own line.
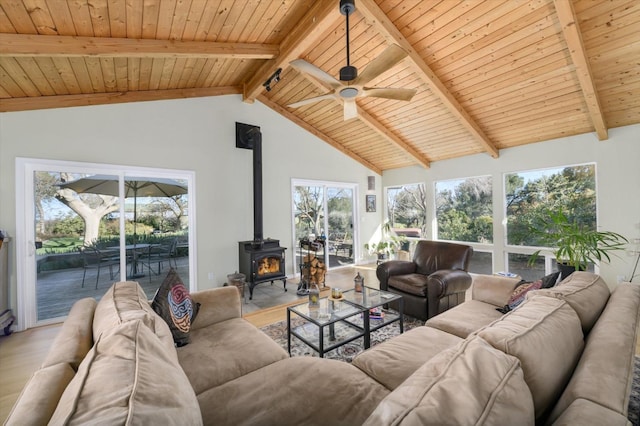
<point x="337" y="145"/>
<point x="377" y="18"/>
<point x="75" y="46"/>
<point x="321" y="15"/>
<point x="383" y="131"/>
<point x="573" y="37"/>
<point x="64" y="101"/>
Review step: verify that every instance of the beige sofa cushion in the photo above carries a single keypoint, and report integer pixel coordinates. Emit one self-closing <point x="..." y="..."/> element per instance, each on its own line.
<point x="586" y="293"/>
<point x="471" y="383"/>
<point x="128" y="377"/>
<point x="75" y="337"/>
<point x="493" y="289"/>
<point x="599" y="376"/>
<point x="466" y="318"/>
<point x="216" y="305"/>
<point x="39" y="398"/>
<point x="225" y="351"/>
<point x="298" y="391"/>
<point x="126" y="301"/>
<point x="391" y="362"/>
<point x="545" y="334"/>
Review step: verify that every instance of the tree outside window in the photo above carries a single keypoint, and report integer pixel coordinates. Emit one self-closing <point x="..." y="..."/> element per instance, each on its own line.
<point x="464" y="209"/>
<point x="531" y="195"/>
<point x="407" y="208"/>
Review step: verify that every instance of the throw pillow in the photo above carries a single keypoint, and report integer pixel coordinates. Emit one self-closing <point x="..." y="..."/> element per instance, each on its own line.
<point x="519" y="294"/>
<point x="551" y="280"/>
<point x="173" y="303"/>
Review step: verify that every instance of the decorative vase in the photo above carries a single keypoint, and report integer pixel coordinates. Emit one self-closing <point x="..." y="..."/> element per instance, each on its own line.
<point x="358" y="283"/>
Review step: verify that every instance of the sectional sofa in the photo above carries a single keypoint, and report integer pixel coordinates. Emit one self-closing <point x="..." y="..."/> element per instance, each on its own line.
<point x="565" y="356"/>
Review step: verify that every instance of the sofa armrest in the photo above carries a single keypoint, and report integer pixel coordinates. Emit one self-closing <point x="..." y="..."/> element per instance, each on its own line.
<point x="216" y="305"/>
<point x="393" y="267"/>
<point x="447" y="281"/>
<point x="493" y="289"/>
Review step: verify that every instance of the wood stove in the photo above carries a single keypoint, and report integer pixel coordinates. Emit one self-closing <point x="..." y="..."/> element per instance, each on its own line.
<point x="262" y="264"/>
<point x="260" y="260"/>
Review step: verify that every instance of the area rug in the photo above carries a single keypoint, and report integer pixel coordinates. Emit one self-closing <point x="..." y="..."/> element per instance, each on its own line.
<point x="346" y="353"/>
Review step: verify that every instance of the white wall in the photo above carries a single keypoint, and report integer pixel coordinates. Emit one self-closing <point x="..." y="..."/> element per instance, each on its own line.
<point x="199" y="134"/>
<point x="191" y="134"/>
<point x="618" y="178"/>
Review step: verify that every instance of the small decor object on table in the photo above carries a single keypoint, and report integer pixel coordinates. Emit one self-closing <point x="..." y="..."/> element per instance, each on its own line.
<point x="376" y="313"/>
<point x="314" y="296"/>
<point x="358" y="283"/>
<point x="336" y="293"/>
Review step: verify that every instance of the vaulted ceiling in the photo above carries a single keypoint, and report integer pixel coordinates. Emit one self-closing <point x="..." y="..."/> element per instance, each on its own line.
<point x="488" y="74"/>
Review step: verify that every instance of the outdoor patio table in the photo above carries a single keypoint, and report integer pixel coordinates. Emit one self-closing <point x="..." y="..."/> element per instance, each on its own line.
<point x="133" y="252"/>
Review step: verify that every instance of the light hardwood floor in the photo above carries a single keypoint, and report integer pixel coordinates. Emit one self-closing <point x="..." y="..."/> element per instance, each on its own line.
<point x="22" y="353"/>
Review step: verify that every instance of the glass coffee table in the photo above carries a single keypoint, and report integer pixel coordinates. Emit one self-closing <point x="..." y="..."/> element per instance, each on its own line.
<point x="337" y="322"/>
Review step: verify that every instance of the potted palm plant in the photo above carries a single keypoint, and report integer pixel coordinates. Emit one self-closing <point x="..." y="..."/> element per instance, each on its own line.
<point x="575" y="245"/>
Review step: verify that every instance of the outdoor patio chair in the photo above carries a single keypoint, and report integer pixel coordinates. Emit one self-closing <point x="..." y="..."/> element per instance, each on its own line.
<point x="94" y="259"/>
<point x="160" y="254"/>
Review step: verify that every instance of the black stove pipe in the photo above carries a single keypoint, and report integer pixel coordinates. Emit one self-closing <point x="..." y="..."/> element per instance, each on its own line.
<point x="258" y="235"/>
<point x="250" y="137"/>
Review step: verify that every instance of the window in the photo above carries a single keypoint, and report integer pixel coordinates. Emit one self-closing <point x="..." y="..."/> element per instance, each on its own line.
<point x="407" y="209"/>
<point x="88" y="225"/>
<point x="325" y="209"/>
<point x="464" y="210"/>
<point x="530" y="195"/>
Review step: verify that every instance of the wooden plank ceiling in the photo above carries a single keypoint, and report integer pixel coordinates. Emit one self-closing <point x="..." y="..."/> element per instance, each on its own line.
<point x="489" y="74"/>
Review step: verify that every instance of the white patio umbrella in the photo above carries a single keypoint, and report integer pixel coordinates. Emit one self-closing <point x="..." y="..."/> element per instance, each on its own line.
<point x="141" y="187"/>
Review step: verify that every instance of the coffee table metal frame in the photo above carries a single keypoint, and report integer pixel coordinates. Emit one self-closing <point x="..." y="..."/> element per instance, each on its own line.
<point x="352" y="312"/>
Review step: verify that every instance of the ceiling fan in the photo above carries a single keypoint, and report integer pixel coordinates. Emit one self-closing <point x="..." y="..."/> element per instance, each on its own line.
<point x="351" y="85"/>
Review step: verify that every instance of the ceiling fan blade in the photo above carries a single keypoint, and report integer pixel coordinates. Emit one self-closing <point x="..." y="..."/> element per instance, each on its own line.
<point x="390" y="93"/>
<point x="312" y="100"/>
<point x="307" y="68"/>
<point x="350" y="109"/>
<point x="391" y="56"/>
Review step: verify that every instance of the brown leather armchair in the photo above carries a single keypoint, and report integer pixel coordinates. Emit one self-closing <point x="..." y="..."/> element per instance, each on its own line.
<point x="436" y="279"/>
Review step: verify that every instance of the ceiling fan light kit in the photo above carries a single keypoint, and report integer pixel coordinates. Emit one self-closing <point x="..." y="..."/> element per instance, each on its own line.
<point x="349" y="92"/>
<point x="351" y="85"/>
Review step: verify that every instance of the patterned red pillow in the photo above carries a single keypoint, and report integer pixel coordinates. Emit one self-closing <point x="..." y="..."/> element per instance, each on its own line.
<point x="519" y="294"/>
<point x="174" y="304"/>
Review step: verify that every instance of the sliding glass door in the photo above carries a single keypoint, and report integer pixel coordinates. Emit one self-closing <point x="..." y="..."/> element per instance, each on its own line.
<point x="87" y="226"/>
<point x="325" y="211"/>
